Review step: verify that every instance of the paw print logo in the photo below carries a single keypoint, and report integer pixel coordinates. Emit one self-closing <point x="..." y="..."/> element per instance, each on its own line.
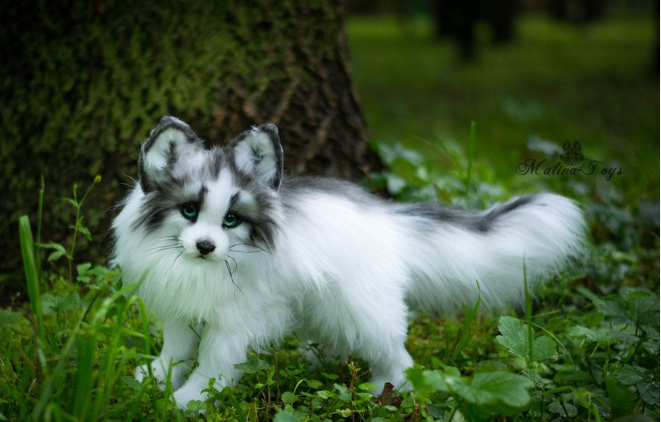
<point x="572" y="154"/>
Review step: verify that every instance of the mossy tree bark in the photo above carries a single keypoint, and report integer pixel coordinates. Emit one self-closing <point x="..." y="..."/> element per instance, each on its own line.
<point x="82" y="83"/>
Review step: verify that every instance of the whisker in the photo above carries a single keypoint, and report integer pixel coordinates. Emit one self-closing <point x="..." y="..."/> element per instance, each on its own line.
<point x="254" y="246"/>
<point x="234" y="250"/>
<point x="173" y="262"/>
<point x="236" y="266"/>
<point x="154" y="252"/>
<point x="227" y="264"/>
<point x="164" y="242"/>
<point x="248" y="244"/>
<point x="173" y="237"/>
<point x="162" y="246"/>
<point x="160" y="242"/>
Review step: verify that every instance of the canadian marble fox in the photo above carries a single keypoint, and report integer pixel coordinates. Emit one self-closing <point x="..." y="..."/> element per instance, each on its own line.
<point x="220" y="239"/>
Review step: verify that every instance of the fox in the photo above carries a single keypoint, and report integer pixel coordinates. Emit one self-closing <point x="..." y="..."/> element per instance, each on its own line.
<point x="229" y="253"/>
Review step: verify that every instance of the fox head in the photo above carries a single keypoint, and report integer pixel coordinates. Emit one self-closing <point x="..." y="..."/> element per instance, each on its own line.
<point x="203" y="202"/>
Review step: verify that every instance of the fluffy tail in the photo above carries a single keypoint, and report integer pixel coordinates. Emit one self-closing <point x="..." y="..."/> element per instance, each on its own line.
<point x="455" y="250"/>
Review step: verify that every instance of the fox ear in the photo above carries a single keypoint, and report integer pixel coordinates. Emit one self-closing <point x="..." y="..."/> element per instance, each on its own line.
<point x="258" y="152"/>
<point x="169" y="143"/>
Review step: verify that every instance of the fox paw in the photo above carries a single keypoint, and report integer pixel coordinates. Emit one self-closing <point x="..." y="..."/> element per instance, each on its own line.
<point x="160" y="372"/>
<point x="188" y="393"/>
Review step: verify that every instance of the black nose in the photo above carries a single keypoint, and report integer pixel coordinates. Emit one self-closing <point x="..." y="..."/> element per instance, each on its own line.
<point x="205" y="247"/>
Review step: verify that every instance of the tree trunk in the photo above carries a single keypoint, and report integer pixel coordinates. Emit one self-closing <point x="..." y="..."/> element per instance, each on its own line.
<point x="82" y="83"/>
<point x="304" y="87"/>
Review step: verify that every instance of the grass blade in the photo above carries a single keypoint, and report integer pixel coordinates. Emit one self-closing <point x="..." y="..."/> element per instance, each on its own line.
<point x="86" y="346"/>
<point x="31" y="273"/>
<point x="531" y="336"/>
<point x="465" y="335"/>
<point x="40" y="213"/>
<point x="471" y="154"/>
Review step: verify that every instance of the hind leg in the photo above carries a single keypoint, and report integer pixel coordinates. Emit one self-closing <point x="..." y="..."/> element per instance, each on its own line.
<point x="382" y="345"/>
<point x="382" y="328"/>
<point x="391" y="368"/>
<point x="370" y="320"/>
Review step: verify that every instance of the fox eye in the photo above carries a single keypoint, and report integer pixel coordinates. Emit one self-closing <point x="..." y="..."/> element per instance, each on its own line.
<point x="190" y="210"/>
<point x="230" y="221"/>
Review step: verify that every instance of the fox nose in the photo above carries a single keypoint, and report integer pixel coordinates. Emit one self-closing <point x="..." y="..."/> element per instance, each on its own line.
<point x="205" y="247"/>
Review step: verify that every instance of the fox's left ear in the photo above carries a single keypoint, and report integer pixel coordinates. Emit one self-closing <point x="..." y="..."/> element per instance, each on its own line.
<point x="258" y="152"/>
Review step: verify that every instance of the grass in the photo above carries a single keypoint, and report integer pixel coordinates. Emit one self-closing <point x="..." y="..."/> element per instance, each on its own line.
<point x="586" y="347"/>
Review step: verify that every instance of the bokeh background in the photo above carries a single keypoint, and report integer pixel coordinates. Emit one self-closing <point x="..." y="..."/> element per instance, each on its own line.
<point x="381" y="92"/>
<point x="575" y="74"/>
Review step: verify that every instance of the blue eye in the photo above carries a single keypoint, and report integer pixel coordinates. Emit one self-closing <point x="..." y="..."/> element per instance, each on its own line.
<point x="190" y="210"/>
<point x="230" y="221"/>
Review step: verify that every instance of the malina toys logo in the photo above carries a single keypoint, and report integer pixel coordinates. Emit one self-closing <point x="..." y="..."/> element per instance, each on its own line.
<point x="571" y="163"/>
<point x="572" y="155"/>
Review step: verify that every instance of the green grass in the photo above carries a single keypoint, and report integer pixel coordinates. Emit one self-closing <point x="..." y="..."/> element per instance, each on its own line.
<point x="586" y="347"/>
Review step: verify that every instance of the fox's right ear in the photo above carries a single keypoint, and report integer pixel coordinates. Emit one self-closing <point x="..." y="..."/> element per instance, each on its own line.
<point x="171" y="142"/>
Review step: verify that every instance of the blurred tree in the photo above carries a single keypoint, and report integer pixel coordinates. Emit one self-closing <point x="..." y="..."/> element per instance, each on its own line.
<point x="578" y="11"/>
<point x="559" y="9"/>
<point x="457" y="20"/>
<point x="82" y="83"/>
<point x="501" y="16"/>
<point x="653" y="67"/>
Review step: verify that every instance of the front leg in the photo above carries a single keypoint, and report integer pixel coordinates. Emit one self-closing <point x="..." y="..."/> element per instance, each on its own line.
<point x="177" y="355"/>
<point x="218" y="353"/>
